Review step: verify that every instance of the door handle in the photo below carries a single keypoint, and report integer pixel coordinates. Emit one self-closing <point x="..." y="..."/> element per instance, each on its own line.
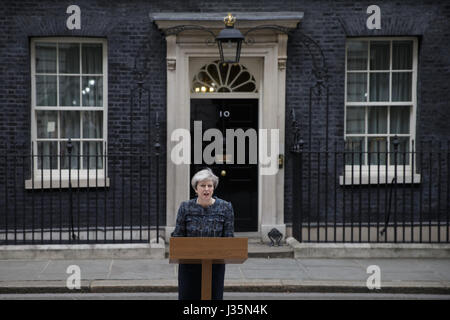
<point x="223" y="173"/>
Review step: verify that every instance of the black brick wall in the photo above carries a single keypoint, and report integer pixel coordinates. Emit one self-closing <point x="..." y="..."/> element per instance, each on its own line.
<point x="330" y="23"/>
<point x="132" y="37"/>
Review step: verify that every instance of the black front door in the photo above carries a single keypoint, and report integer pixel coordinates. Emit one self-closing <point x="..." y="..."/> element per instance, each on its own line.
<point x="238" y="183"/>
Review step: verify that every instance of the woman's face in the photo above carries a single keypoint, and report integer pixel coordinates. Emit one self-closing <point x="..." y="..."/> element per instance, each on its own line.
<point x="205" y="190"/>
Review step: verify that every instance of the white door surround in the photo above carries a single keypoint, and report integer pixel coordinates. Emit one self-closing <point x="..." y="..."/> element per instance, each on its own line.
<point x="269" y="54"/>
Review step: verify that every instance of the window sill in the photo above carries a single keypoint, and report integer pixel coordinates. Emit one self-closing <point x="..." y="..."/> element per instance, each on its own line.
<point x="377" y="179"/>
<point x="56" y="183"/>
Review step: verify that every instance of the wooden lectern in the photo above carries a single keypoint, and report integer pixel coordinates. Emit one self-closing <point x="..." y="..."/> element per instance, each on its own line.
<point x="208" y="251"/>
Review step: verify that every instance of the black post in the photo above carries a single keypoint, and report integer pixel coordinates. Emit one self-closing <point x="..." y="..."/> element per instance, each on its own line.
<point x="430" y="185"/>
<point x="69" y="151"/>
<point x="393" y="186"/>
<point x="395" y="142"/>
<point x="157" y="153"/>
<point x="32" y="193"/>
<point x="447" y="211"/>
<point x="297" y="179"/>
<point x="413" y="171"/>
<point x="6" y="194"/>
<point x="105" y="165"/>
<point x="297" y="208"/>
<point x="439" y="193"/>
<point x="51" y="195"/>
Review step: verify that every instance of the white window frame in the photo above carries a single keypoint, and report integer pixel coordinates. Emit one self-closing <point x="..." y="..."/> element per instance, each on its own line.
<point x="359" y="174"/>
<point x="59" y="178"/>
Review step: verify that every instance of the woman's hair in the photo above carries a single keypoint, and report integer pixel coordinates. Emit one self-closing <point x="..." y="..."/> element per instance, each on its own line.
<point x="205" y="174"/>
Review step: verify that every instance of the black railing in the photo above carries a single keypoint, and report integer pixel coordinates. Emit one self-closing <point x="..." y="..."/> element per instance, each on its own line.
<point x="339" y="194"/>
<point x="344" y="194"/>
<point x="104" y="198"/>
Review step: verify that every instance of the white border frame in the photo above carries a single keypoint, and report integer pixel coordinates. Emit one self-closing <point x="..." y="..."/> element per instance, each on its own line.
<point x="254" y="65"/>
<point x="96" y="178"/>
<point x="365" y="179"/>
<point x="271" y="116"/>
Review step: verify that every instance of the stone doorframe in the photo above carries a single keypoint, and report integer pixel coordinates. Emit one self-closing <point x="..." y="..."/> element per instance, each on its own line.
<point x="271" y="48"/>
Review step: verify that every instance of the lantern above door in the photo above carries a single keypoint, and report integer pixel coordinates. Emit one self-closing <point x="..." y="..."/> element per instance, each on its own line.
<point x="229" y="41"/>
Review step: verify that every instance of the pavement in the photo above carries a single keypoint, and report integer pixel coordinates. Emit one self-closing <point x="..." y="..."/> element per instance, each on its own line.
<point x="257" y="274"/>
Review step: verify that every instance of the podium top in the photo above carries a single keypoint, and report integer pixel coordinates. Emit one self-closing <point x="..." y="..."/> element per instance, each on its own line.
<point x="219" y="250"/>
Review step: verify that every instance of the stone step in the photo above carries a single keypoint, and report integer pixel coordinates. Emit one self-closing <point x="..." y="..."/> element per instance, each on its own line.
<point x="263" y="250"/>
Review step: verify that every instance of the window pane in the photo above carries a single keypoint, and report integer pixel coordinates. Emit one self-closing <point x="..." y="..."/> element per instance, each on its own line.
<point x="401" y="86"/>
<point x="223" y="68"/>
<point x="402" y="156"/>
<point x="234" y="71"/>
<point x="205" y="78"/>
<point x="355" y="120"/>
<point x="92" y="91"/>
<point x="377" y="150"/>
<point x="70" y="124"/>
<point x="248" y="87"/>
<point x="69" y="58"/>
<point x="229" y="50"/>
<point x="46" y="91"/>
<point x="93" y="152"/>
<point x="92" y="58"/>
<point x="357" y="55"/>
<point x="354" y="146"/>
<point x="213" y="71"/>
<point x="377" y="120"/>
<point x="356" y="87"/>
<point x="379" y="55"/>
<point x="402" y="55"/>
<point x="47" y="154"/>
<point x="93" y="125"/>
<point x="69" y="91"/>
<point x="379" y="86"/>
<point x="241" y="79"/>
<point x="45" y="57"/>
<point x="47" y="124"/>
<point x="400" y="119"/>
<point x="73" y="160"/>
<point x="222" y="89"/>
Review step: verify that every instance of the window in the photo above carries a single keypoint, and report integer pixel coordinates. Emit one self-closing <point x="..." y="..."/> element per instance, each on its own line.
<point x="380" y="101"/>
<point x="69" y="100"/>
<point x="219" y="77"/>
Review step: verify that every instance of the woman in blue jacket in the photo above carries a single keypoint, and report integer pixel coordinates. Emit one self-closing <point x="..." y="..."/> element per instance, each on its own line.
<point x="203" y="216"/>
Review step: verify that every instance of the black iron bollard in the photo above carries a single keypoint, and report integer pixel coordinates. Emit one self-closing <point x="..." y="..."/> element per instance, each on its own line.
<point x="395" y="142"/>
<point x="157" y="146"/>
<point x="69" y="151"/>
<point x="297" y="215"/>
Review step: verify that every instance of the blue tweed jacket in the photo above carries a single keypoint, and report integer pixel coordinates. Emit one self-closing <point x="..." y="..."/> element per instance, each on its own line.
<point x="216" y="220"/>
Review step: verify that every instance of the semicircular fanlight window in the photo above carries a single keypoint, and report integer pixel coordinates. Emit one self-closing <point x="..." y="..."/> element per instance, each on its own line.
<point x="219" y="77"/>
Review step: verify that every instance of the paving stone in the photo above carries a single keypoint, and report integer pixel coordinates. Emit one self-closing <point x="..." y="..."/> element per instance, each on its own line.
<point x="331" y="273"/>
<point x="328" y="262"/>
<point x="410" y="276"/>
<point x="89" y="269"/>
<point x="19" y="270"/>
<point x="141" y="269"/>
<point x="279" y="273"/>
